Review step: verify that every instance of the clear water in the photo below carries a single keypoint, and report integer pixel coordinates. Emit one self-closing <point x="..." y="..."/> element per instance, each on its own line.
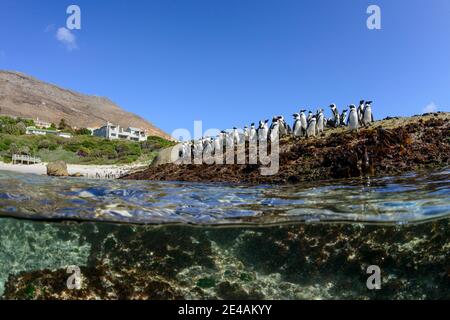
<point x="184" y="240"/>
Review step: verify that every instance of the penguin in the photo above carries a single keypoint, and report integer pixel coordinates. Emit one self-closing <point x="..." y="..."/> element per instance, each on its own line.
<point x="246" y="133"/>
<point x="360" y="112"/>
<point x="252" y="135"/>
<point x="353" y="120"/>
<point x="367" y="117"/>
<point x="198" y="148"/>
<point x="311" y="130"/>
<point x="303" y="122"/>
<point x="274" y="130"/>
<point x="320" y="121"/>
<point x="263" y="130"/>
<point x="229" y="139"/>
<point x="310" y="114"/>
<point x="218" y="143"/>
<point x="285" y="129"/>
<point x="297" y="126"/>
<point x="236" y="136"/>
<point x="208" y="148"/>
<point x="343" y="119"/>
<point x="335" y="112"/>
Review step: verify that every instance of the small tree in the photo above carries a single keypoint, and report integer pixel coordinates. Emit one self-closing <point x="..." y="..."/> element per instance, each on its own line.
<point x="21" y="128"/>
<point x="83" y="132"/>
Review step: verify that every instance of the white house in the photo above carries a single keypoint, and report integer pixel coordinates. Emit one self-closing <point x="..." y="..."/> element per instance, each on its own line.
<point x="43" y="132"/>
<point x="111" y="132"/>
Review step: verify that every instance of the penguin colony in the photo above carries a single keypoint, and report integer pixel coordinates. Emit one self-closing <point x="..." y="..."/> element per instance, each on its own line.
<point x="304" y="125"/>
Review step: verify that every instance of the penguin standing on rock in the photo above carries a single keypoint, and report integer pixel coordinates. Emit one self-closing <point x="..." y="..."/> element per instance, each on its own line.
<point x="343" y="119"/>
<point x="263" y="130"/>
<point x="303" y="121"/>
<point x="246" y="133"/>
<point x="297" y="126"/>
<point x="252" y="135"/>
<point x="274" y="130"/>
<point x="285" y="129"/>
<point x="335" y="112"/>
<point x="367" y="116"/>
<point x="353" y="119"/>
<point x="308" y="118"/>
<point x="311" y="130"/>
<point x="236" y="136"/>
<point x="320" y="121"/>
<point x="360" y="112"/>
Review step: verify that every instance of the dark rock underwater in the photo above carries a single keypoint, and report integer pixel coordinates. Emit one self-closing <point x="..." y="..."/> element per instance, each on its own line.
<point x="303" y="261"/>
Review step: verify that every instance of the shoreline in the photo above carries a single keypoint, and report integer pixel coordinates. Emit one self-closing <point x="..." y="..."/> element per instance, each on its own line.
<point x="87" y="171"/>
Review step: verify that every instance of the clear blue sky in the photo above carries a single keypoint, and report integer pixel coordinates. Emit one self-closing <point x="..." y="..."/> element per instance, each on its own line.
<point x="232" y="62"/>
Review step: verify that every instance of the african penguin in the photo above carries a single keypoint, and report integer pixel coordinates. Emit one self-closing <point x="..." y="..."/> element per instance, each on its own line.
<point x="367" y="117"/>
<point x="311" y="130"/>
<point x="303" y="121"/>
<point x="353" y="120"/>
<point x="335" y="113"/>
<point x="297" y="126"/>
<point x="320" y="121"/>
<point x="343" y="119"/>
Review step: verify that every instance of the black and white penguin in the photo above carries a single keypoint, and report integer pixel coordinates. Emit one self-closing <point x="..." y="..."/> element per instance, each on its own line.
<point x="367" y="117"/>
<point x="335" y="113"/>
<point x="353" y="119"/>
<point x="343" y="119"/>
<point x="245" y="133"/>
<point x="308" y="118"/>
<point x="311" y="130"/>
<point x="218" y="143"/>
<point x="360" y="112"/>
<point x="263" y="130"/>
<point x="285" y="128"/>
<point x="297" y="126"/>
<point x="274" y="130"/>
<point x="252" y="135"/>
<point x="320" y="121"/>
<point x="236" y="136"/>
<point x="303" y="121"/>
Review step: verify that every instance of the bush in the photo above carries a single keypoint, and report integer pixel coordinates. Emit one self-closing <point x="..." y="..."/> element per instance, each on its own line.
<point x="83" y="132"/>
<point x="156" y="143"/>
<point x="83" y="152"/>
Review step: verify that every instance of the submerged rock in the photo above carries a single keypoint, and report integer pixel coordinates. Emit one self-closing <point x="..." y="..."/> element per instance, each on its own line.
<point x="305" y="261"/>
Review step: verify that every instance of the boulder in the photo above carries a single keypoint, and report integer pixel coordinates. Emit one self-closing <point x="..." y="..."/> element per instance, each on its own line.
<point x="77" y="175"/>
<point x="57" y="169"/>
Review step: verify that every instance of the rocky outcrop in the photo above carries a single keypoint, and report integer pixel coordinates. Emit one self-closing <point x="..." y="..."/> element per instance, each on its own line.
<point x="57" y="169"/>
<point x="391" y="146"/>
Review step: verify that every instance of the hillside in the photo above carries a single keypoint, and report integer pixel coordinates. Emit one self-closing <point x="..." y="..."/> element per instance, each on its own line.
<point x="25" y="96"/>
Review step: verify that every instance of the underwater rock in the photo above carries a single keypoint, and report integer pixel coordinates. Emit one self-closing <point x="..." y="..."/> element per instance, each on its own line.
<point x="304" y="261"/>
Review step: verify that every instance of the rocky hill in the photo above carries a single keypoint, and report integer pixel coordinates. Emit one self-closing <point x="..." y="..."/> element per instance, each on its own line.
<point x="25" y="96"/>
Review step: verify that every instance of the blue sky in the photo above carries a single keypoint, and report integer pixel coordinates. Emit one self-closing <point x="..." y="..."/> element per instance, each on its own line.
<point x="233" y="62"/>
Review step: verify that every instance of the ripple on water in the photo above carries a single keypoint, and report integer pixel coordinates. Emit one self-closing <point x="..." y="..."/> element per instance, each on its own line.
<point x="408" y="198"/>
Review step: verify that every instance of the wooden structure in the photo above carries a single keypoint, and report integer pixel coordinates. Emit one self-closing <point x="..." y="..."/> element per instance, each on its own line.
<point x="24" y="159"/>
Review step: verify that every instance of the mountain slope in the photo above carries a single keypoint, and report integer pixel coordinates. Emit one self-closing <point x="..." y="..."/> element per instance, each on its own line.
<point x="25" y="96"/>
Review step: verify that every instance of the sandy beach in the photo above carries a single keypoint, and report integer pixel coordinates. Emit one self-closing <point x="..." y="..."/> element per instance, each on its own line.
<point x="88" y="171"/>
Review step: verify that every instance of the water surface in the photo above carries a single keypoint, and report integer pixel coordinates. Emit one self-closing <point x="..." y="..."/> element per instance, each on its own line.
<point x="166" y="240"/>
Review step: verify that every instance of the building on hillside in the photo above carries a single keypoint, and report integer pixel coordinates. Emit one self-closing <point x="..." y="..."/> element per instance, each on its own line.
<point x="42" y="124"/>
<point x="111" y="132"/>
<point x="42" y="132"/>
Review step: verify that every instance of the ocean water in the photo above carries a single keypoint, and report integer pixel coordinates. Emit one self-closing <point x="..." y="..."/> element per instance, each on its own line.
<point x="177" y="240"/>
